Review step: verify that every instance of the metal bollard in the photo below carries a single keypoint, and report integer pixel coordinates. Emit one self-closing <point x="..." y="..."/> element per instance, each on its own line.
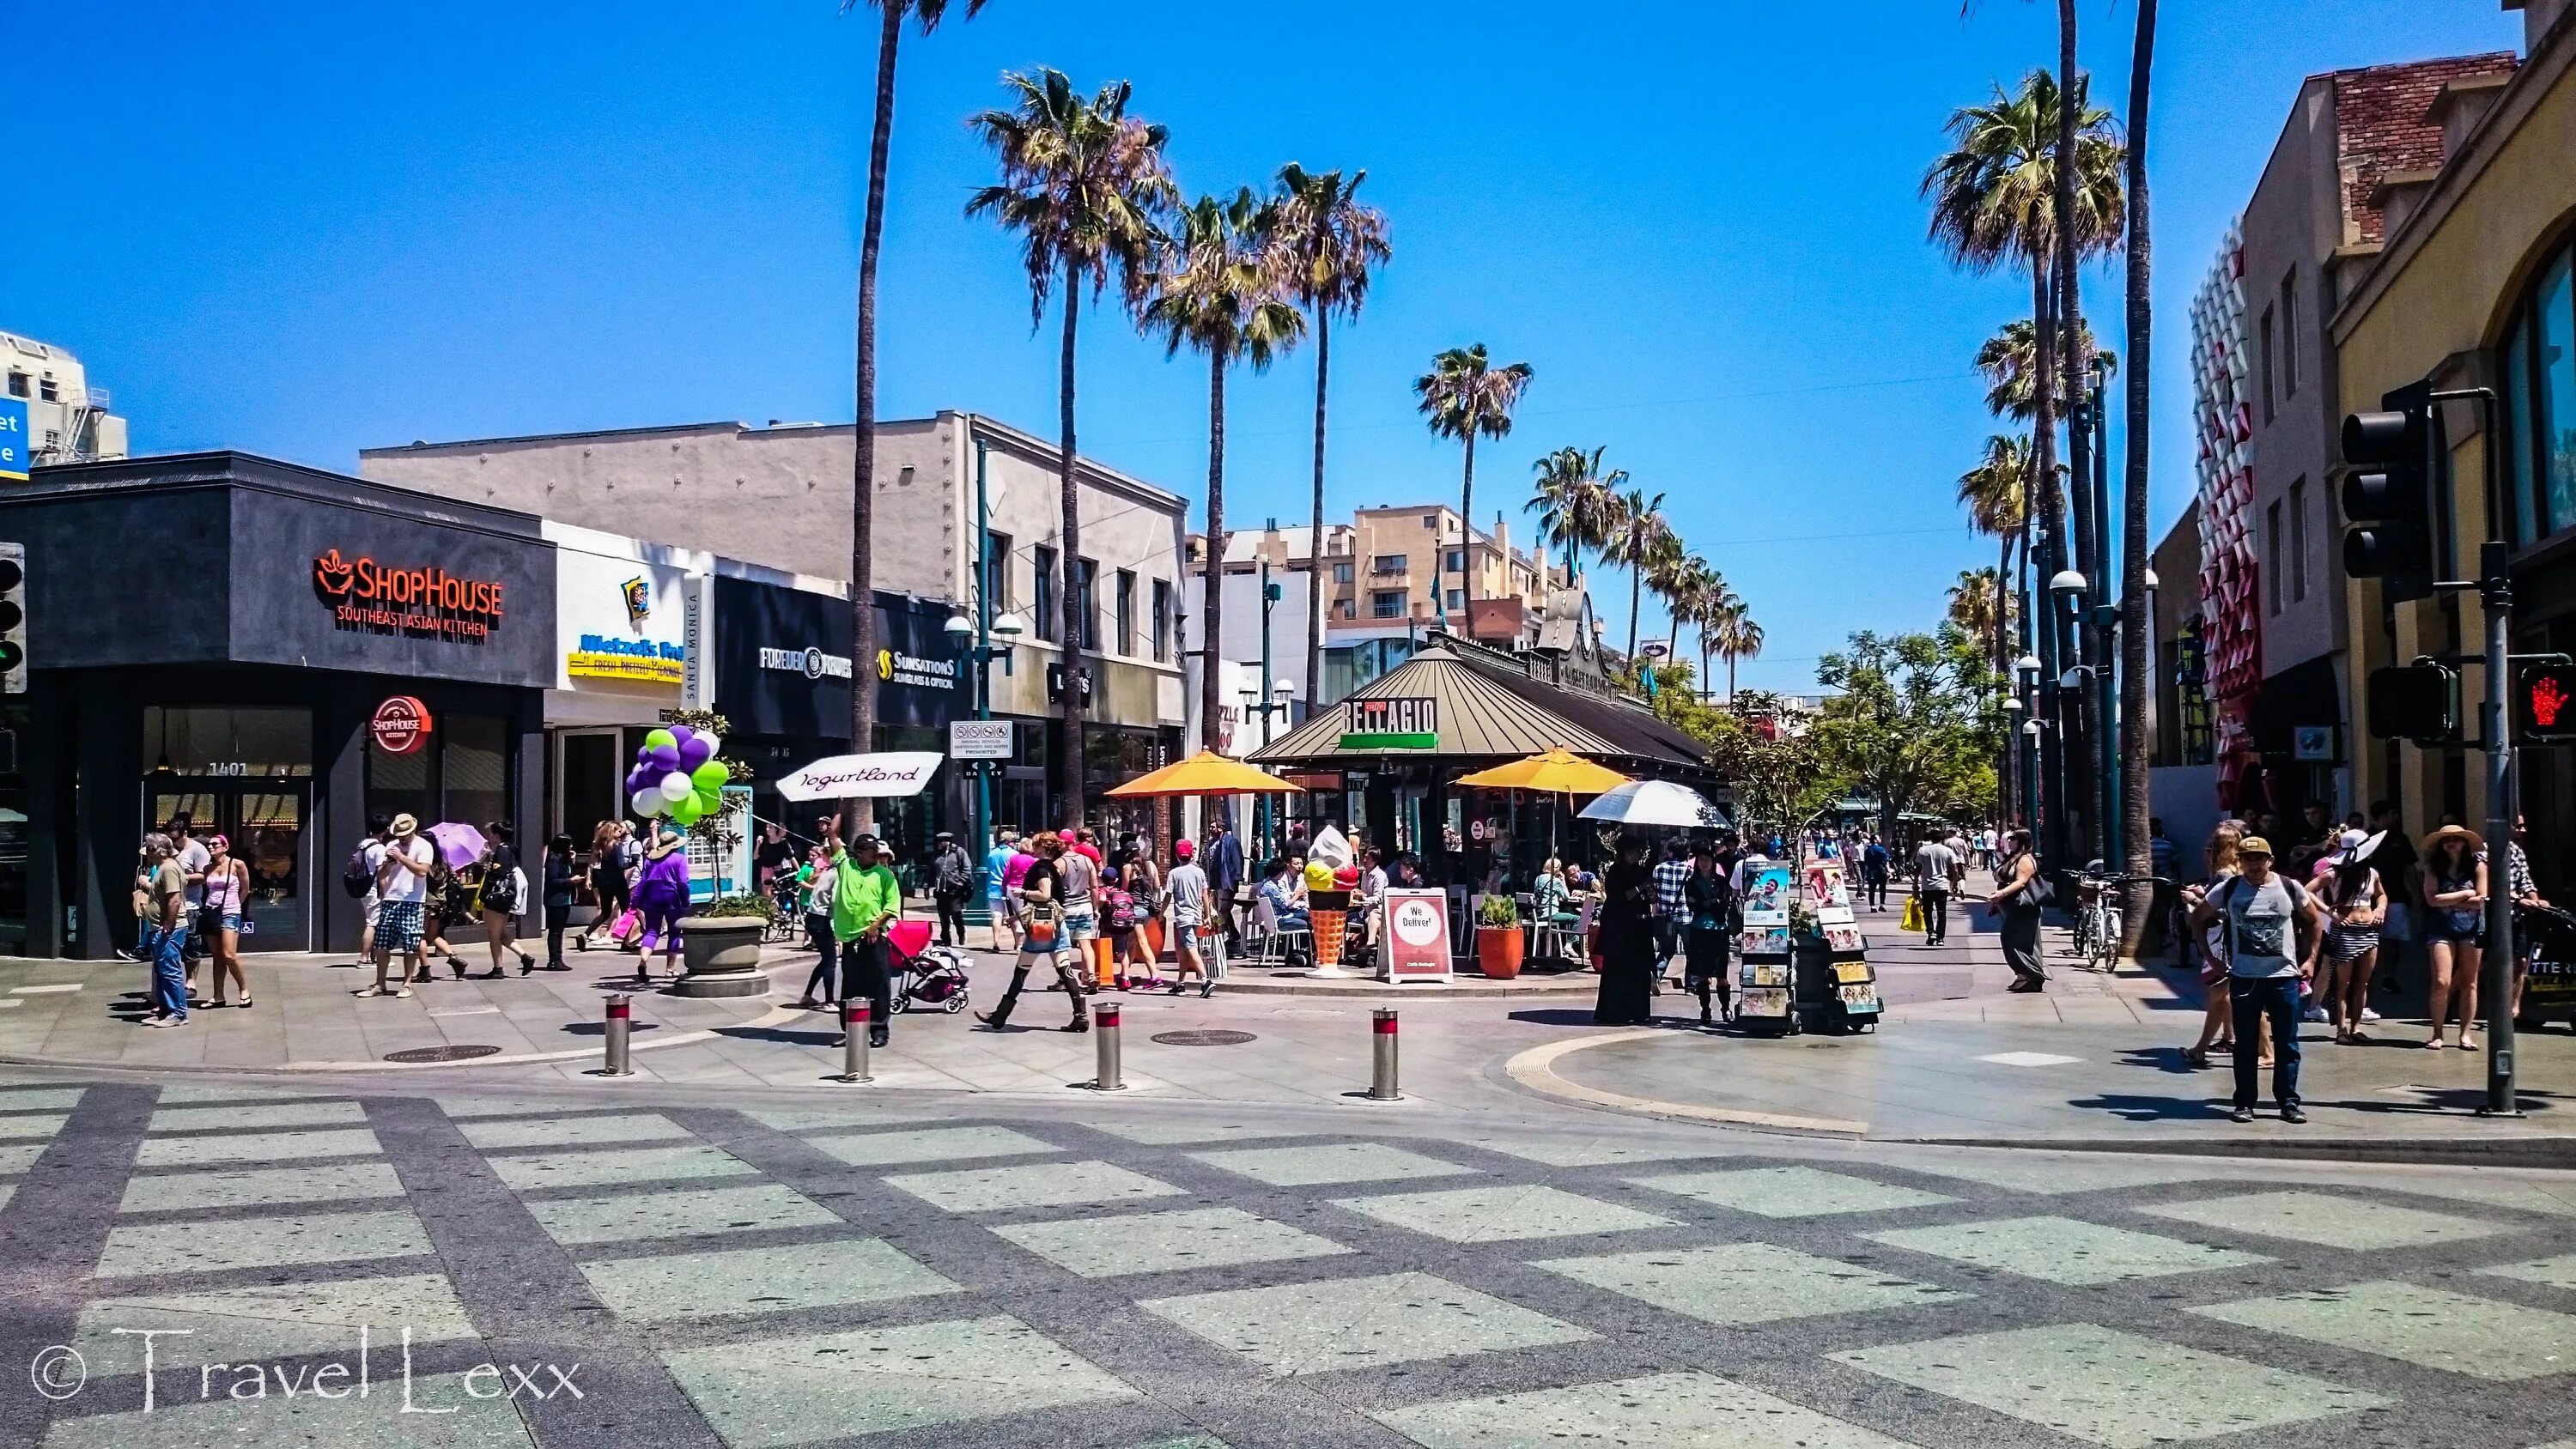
<point x="854" y="1042"/>
<point x="614" y="1034"/>
<point x="1104" y="1035"/>
<point x="1382" y="1086"/>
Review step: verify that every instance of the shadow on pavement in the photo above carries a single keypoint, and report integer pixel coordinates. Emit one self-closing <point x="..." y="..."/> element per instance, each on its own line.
<point x="2152" y="1109"/>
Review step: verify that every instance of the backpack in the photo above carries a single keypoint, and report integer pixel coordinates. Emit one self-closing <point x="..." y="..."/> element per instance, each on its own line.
<point x="1117" y="908"/>
<point x="355" y="878"/>
<point x="501" y="891"/>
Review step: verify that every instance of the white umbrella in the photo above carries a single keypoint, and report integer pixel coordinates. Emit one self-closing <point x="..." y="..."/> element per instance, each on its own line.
<point x="1653" y="802"/>
<point x="901" y="772"/>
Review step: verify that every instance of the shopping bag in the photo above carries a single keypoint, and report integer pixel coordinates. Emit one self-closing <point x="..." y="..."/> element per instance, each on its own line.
<point x="1913" y="914"/>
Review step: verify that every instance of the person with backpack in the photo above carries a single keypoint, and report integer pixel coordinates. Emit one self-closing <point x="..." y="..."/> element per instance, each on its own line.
<point x="2273" y="928"/>
<point x="358" y="878"/>
<point x="500" y="896"/>
<point x="952" y="880"/>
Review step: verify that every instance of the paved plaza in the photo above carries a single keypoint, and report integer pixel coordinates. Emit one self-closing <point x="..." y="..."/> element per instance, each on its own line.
<point x="761" y="1268"/>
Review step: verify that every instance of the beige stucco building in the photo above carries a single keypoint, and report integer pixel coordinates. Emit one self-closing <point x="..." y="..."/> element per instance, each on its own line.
<point x="67" y="418"/>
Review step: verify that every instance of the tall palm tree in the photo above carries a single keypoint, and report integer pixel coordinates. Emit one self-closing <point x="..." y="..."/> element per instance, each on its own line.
<point x="1997" y="493"/>
<point x="1666" y="571"/>
<point x="1688" y="587"/>
<point x="1467" y="397"/>
<point x="1223" y="288"/>
<point x="1331" y="245"/>
<point x="2010" y="362"/>
<point x="1637" y="546"/>
<point x="1977" y="603"/>
<point x="1738" y="638"/>
<point x="1994" y="202"/>
<point x="1082" y="185"/>
<point x="1577" y="503"/>
<point x="1717" y="604"/>
<point x="863" y="614"/>
<point x="2134" y="620"/>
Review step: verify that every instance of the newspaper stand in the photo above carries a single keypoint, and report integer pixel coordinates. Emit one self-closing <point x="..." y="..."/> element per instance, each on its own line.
<point x="1764" y="996"/>
<point x="1804" y="965"/>
<point x="1839" y="988"/>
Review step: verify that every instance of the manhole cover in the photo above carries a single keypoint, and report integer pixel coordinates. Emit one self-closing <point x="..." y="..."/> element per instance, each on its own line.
<point x="1204" y="1038"/>
<point x="443" y="1054"/>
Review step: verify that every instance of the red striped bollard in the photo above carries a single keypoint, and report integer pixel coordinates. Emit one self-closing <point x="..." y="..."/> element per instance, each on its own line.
<point x="1382" y="1065"/>
<point x="1104" y="1036"/>
<point x="614" y="1034"/>
<point x="854" y="1042"/>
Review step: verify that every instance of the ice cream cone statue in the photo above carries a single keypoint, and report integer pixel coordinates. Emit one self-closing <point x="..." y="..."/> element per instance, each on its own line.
<point x="1327" y="905"/>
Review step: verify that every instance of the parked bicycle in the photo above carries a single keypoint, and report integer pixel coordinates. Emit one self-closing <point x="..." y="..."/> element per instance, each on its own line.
<point x="2098" y="914"/>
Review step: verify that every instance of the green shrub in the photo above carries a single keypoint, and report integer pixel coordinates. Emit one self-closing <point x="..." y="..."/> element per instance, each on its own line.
<point x="747" y="903"/>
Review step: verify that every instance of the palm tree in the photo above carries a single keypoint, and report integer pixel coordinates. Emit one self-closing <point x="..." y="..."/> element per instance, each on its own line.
<point x="1665" y="570"/>
<point x="2134" y="621"/>
<point x="1637" y="545"/>
<point x="1082" y="185"/>
<point x="1977" y="603"/>
<point x="1994" y="201"/>
<point x="1997" y="493"/>
<point x="863" y="614"/>
<point x="1738" y="637"/>
<point x="1688" y="589"/>
<point x="1577" y="503"/>
<point x="1223" y="288"/>
<point x="1330" y="244"/>
<point x="2010" y="362"/>
<point x="1717" y="604"/>
<point x="1466" y="397"/>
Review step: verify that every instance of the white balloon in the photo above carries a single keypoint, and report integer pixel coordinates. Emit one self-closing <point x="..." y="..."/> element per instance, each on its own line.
<point x="677" y="786"/>
<point x="715" y="744"/>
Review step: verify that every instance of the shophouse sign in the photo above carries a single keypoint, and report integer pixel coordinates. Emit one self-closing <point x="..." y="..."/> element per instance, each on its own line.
<point x="426" y="601"/>
<point x="400" y="725"/>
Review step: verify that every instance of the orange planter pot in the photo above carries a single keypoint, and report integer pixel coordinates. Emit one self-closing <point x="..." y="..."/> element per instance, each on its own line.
<point x="1499" y="950"/>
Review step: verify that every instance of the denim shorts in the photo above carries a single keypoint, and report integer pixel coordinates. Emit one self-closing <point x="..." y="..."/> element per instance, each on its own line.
<point x="1082" y="925"/>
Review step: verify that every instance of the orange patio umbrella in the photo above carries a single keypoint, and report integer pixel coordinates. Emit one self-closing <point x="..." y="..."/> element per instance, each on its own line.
<point x="1205" y="773"/>
<point x="1558" y="772"/>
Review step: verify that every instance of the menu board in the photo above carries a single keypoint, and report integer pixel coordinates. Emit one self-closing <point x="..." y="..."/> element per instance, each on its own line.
<point x="1417" y="936"/>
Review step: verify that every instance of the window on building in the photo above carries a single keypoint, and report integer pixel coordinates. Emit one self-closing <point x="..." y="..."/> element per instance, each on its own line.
<point x="997" y="571"/>
<point x="1431" y="520"/>
<point x="1342" y="573"/>
<point x="473" y="768"/>
<point x="2272" y="554"/>
<point x="1086" y="600"/>
<point x="1457" y="600"/>
<point x="2539" y="373"/>
<point x="2263" y="360"/>
<point x="1388" y="565"/>
<point x="48" y="390"/>
<point x="1127" y="611"/>
<point x="1386" y="604"/>
<point x="1349" y="609"/>
<point x="18" y="384"/>
<point x="1162" y="621"/>
<point x="1455" y="561"/>
<point x="2299" y="540"/>
<point x="1042" y="596"/>
<point x="2290" y="334"/>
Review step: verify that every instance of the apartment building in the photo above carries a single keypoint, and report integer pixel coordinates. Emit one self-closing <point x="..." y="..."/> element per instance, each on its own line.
<point x="2279" y="621"/>
<point x="46" y="391"/>
<point x="2471" y="286"/>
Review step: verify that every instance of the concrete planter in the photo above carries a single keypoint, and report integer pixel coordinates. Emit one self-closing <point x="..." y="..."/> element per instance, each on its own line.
<point x="721" y="956"/>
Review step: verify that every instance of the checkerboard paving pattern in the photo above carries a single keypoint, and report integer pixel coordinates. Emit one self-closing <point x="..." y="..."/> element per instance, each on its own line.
<point x="789" y="1277"/>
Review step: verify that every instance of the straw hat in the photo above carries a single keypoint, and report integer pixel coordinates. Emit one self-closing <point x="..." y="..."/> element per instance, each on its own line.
<point x="2434" y="841"/>
<point x="405" y="825"/>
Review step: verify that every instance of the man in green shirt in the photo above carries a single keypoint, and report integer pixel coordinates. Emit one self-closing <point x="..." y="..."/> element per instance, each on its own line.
<point x="865" y="898"/>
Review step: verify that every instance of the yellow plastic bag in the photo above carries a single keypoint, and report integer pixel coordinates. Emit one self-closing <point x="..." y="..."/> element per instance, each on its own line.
<point x="1913" y="914"/>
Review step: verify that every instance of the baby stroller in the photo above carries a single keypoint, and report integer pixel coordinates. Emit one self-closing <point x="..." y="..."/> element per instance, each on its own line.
<point x="2550" y="994"/>
<point x="924" y="975"/>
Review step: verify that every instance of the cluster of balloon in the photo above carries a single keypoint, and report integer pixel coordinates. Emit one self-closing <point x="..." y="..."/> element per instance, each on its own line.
<point x="676" y="774"/>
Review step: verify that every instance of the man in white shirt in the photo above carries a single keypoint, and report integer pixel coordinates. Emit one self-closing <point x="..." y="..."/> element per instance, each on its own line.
<point x="1935" y="870"/>
<point x="1188" y="885"/>
<point x="372" y="856"/>
<point x="402" y="881"/>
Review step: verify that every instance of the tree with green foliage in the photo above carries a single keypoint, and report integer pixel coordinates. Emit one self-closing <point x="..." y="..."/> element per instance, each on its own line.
<point x="1912" y="723"/>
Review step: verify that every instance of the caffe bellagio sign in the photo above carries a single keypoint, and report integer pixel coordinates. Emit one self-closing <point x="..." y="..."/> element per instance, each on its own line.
<point x="424" y="601"/>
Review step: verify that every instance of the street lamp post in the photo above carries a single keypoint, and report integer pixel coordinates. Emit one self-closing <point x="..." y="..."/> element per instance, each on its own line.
<point x="986" y="628"/>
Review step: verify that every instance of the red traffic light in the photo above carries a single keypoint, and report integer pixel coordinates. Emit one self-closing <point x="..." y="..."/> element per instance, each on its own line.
<point x="2544" y="700"/>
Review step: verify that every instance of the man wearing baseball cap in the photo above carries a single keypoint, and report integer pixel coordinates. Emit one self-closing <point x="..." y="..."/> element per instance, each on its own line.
<point x="2268" y="958"/>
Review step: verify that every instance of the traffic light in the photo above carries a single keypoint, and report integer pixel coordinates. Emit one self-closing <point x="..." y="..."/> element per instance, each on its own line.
<point x="13" y="618"/>
<point x="2544" y="704"/>
<point x="2419" y="702"/>
<point x="2389" y="496"/>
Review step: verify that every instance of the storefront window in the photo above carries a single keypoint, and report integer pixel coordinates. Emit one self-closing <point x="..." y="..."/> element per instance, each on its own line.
<point x="194" y="740"/>
<point x="398" y="785"/>
<point x="474" y="761"/>
<point x="2536" y="364"/>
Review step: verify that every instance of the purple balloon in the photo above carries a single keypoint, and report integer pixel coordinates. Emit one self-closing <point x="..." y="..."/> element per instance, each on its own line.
<point x="694" y="752"/>
<point x="662" y="759"/>
<point x="681" y="735"/>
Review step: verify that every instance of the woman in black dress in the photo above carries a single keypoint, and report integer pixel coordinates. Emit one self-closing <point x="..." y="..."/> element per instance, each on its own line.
<point x="1627" y="939"/>
<point x="1708" y="897"/>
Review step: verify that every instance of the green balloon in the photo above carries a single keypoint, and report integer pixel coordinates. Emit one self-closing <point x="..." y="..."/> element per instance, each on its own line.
<point x="655" y="739"/>
<point x="710" y="776"/>
<point x="688" y="811"/>
<point x="709" y="801"/>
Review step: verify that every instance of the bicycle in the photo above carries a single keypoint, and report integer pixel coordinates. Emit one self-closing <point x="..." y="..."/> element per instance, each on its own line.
<point x="2099" y="915"/>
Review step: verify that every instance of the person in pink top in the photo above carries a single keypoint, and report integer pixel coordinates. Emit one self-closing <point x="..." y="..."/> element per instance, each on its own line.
<point x="1080" y="842"/>
<point x="1015" y="873"/>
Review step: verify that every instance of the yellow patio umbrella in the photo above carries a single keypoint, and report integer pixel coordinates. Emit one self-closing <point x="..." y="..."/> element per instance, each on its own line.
<point x="1558" y="772"/>
<point x="1205" y="773"/>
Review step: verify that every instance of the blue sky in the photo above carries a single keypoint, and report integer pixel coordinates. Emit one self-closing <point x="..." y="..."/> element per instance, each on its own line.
<point x="303" y="229"/>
